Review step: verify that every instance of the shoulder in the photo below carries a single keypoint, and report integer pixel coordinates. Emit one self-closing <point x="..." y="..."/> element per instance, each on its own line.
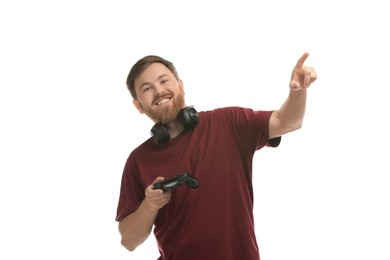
<point x="224" y="111"/>
<point x="141" y="149"/>
<point x="234" y="112"/>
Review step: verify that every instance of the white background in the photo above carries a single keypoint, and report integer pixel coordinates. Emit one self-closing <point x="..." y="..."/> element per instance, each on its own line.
<point x="68" y="123"/>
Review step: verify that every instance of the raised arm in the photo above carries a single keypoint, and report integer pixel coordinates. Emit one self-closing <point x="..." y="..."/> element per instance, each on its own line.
<point x="290" y="115"/>
<point x="136" y="227"/>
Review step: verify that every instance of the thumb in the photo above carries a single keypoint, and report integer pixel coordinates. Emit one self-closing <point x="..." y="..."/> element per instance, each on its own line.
<point x="158" y="179"/>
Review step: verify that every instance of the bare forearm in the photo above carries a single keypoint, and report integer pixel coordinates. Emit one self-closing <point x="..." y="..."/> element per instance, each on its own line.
<point x="292" y="112"/>
<point x="136" y="227"/>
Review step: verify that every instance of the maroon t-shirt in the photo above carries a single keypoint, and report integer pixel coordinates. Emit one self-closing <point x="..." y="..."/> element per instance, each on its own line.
<point x="214" y="221"/>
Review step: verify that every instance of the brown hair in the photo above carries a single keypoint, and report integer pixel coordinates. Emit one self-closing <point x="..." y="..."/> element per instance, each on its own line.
<point x="141" y="65"/>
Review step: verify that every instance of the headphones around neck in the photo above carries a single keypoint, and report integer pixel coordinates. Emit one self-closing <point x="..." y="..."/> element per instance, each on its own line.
<point x="187" y="116"/>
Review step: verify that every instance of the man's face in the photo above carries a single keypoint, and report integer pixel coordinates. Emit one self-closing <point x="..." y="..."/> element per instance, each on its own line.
<point x="159" y="94"/>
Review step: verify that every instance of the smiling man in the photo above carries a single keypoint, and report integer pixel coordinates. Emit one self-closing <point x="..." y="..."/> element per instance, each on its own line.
<point x="158" y="87"/>
<point x="214" y="221"/>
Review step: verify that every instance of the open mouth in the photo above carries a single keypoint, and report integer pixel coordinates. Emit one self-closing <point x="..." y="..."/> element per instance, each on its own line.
<point x="163" y="101"/>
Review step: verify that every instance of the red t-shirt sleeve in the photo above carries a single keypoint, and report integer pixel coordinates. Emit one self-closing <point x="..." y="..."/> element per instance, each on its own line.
<point x="250" y="127"/>
<point x="131" y="192"/>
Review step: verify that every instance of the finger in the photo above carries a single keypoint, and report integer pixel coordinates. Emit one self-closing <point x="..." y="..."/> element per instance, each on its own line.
<point x="160" y="200"/>
<point x="302" y="60"/>
<point x="313" y="76"/>
<point x="163" y="197"/>
<point x="313" y="73"/>
<point x="158" y="179"/>
<point x="150" y="191"/>
<point x="307" y="79"/>
<point x="150" y="187"/>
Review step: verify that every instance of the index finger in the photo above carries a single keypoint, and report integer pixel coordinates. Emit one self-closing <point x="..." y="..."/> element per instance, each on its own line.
<point x="302" y="60"/>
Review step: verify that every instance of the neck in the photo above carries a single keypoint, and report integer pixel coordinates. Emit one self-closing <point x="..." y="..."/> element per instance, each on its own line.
<point x="174" y="128"/>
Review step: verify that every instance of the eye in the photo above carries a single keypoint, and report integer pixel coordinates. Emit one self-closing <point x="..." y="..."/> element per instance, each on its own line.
<point x="145" y="89"/>
<point x="164" y="81"/>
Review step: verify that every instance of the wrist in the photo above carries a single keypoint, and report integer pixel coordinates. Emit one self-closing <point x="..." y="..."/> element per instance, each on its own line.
<point x="298" y="92"/>
<point x="150" y="205"/>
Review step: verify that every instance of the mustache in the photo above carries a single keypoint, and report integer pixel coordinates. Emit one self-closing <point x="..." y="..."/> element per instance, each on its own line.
<point x="161" y="95"/>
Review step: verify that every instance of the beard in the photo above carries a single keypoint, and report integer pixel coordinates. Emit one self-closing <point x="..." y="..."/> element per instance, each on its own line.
<point x="167" y="114"/>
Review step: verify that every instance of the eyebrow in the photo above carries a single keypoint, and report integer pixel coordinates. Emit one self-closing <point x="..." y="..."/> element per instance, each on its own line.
<point x="148" y="83"/>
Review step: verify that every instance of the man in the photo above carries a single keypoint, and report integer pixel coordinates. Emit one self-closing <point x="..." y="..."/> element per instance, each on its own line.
<point x="214" y="221"/>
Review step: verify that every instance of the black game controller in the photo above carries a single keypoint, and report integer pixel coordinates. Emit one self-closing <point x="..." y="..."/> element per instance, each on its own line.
<point x="180" y="179"/>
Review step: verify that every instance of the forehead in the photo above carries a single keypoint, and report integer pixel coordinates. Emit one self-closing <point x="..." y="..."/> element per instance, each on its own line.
<point x="152" y="73"/>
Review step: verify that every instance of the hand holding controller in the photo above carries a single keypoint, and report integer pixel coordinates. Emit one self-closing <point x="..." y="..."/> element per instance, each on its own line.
<point x="180" y="179"/>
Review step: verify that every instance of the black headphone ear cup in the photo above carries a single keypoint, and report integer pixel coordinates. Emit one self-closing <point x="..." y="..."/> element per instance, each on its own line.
<point x="160" y="134"/>
<point x="188" y="117"/>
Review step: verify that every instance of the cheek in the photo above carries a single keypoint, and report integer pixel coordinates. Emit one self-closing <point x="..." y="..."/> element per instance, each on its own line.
<point x="145" y="99"/>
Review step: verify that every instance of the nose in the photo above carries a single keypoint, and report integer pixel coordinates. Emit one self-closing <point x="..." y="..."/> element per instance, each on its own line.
<point x="159" y="90"/>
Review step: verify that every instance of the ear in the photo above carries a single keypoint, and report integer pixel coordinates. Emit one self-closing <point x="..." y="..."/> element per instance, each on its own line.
<point x="181" y="86"/>
<point x="138" y="106"/>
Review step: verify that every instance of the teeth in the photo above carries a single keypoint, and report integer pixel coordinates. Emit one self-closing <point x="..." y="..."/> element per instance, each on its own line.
<point x="163" y="101"/>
